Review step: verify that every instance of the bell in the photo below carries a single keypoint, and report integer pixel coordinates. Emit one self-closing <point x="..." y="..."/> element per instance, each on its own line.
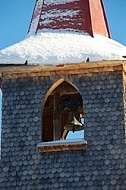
<point x="74" y="125"/>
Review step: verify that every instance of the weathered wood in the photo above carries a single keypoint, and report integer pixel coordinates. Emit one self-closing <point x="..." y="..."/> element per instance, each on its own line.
<point x="47" y="70"/>
<point x="62" y="145"/>
<point x="56" y="117"/>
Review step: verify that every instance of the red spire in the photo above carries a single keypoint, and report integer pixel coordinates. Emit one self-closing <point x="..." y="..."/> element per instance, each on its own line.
<point x="78" y="15"/>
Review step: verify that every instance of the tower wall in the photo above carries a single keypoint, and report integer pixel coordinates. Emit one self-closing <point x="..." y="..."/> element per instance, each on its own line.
<point x="101" y="166"/>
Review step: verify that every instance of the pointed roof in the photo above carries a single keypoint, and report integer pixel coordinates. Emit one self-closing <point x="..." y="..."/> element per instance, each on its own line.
<point x="65" y="31"/>
<point x="76" y="15"/>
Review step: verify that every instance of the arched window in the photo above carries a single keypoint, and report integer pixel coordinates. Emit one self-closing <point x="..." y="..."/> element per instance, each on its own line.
<point x="62" y="112"/>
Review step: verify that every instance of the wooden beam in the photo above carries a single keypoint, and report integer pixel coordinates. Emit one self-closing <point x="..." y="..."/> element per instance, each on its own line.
<point x="56" y="117"/>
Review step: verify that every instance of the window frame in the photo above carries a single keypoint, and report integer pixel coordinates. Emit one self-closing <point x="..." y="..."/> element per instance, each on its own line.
<point x="58" y="144"/>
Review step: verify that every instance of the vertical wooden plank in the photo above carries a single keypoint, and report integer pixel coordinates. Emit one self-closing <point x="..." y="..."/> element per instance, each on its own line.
<point x="56" y="117"/>
<point x="47" y="127"/>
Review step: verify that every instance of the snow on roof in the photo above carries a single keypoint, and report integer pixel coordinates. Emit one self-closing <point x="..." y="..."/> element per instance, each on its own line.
<point x="57" y="47"/>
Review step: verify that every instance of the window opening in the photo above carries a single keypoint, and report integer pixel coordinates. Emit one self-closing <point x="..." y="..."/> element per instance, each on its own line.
<point x="74" y="127"/>
<point x="63" y="115"/>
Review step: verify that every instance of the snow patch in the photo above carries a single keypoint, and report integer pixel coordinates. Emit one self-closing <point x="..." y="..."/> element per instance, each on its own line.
<point x="57" y="15"/>
<point x="57" y="47"/>
<point x="57" y="2"/>
<point x="35" y="19"/>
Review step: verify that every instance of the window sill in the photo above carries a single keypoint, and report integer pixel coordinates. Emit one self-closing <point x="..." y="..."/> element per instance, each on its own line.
<point x="62" y="145"/>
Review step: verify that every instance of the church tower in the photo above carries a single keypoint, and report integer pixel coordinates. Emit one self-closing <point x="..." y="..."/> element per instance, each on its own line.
<point x="76" y="15"/>
<point x="64" y="102"/>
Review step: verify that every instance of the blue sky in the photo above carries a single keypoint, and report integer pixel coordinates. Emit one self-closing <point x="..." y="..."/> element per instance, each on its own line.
<point x="15" y="16"/>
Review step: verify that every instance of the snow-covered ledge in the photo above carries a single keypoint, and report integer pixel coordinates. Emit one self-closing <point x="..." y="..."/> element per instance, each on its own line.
<point x="62" y="145"/>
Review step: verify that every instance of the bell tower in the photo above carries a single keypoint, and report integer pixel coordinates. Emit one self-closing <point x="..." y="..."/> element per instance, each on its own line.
<point x="70" y="15"/>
